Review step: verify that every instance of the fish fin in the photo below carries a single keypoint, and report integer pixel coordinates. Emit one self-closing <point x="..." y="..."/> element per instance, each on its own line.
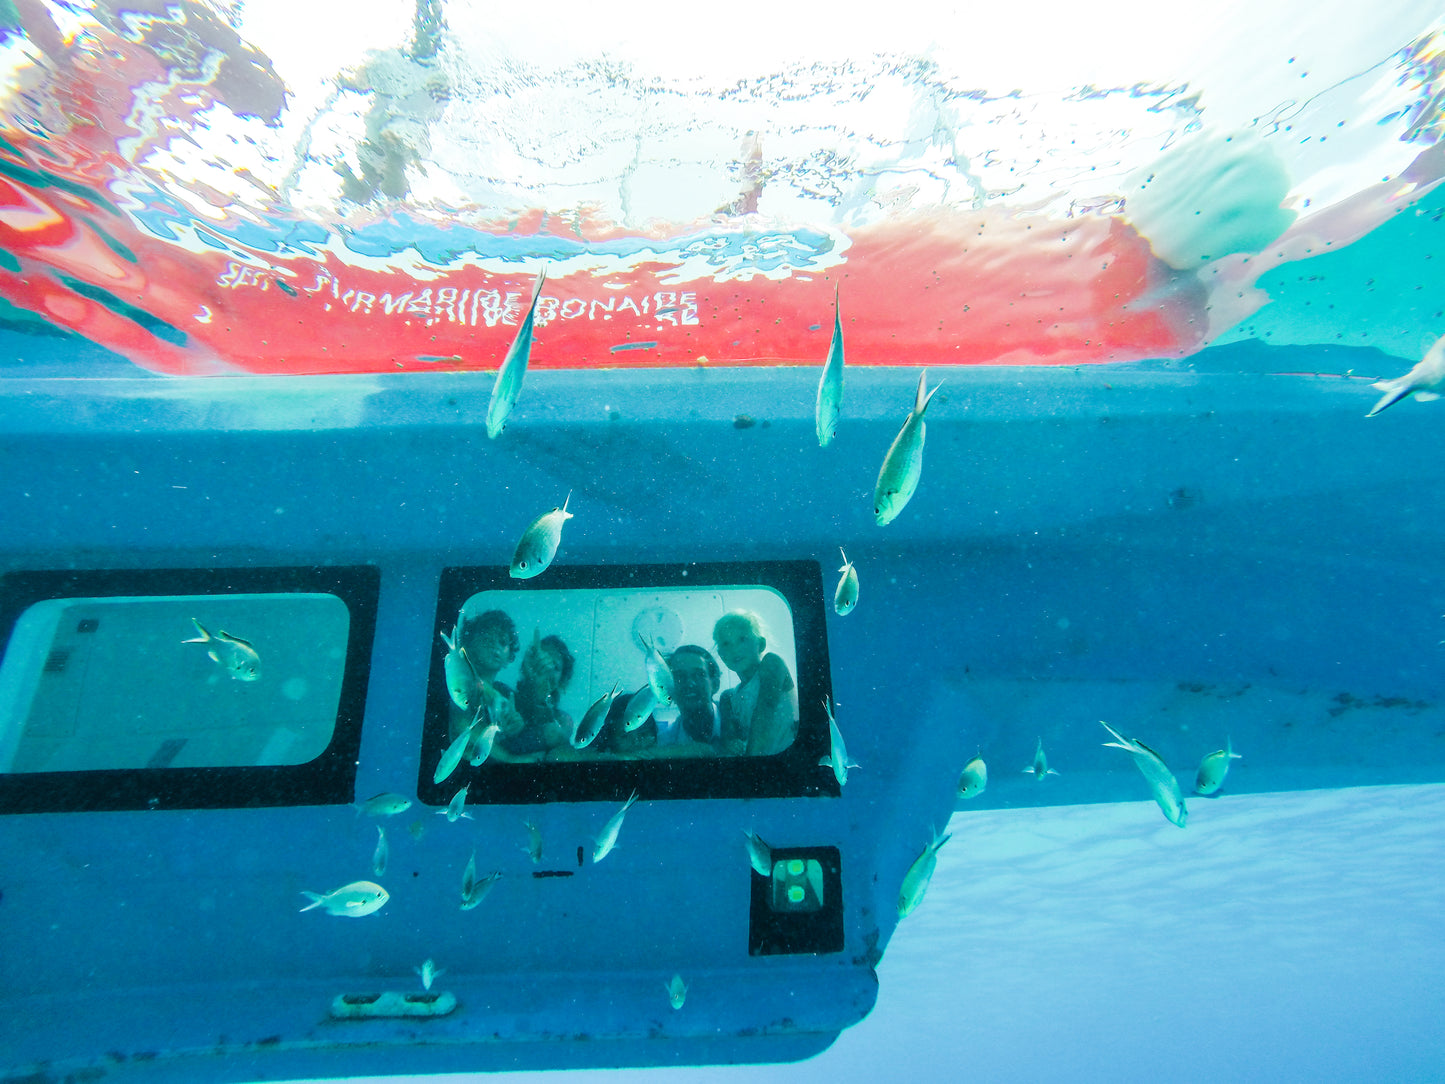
<point x="1427" y="396"/>
<point x="1052" y="771"/>
<point x="537" y="286"/>
<point x="1395" y="390"/>
<point x="316" y="900"/>
<point x="825" y="762"/>
<point x="204" y="637"/>
<point x="924" y="397"/>
<point x="1117" y="736"/>
<point x="222" y="634"/>
<point x="846" y="562"/>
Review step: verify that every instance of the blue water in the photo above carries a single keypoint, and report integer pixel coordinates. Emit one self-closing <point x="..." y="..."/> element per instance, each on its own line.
<point x="1200" y="548"/>
<point x="1283" y="937"/>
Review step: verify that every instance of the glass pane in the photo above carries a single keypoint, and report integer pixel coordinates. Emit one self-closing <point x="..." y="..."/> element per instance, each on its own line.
<point x="172" y="682"/>
<point x="538" y="661"/>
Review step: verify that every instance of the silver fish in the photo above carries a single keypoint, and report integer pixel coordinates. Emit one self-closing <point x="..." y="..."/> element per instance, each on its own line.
<point x="1162" y="784"/>
<point x="659" y="676"/>
<point x="974" y="778"/>
<point x="845" y="597"/>
<point x="484" y="738"/>
<point x="539" y="543"/>
<point x="639" y="708"/>
<point x="428" y="972"/>
<point x="355" y="900"/>
<point x="232" y="654"/>
<point x="837" y="758"/>
<point x="452" y="755"/>
<point x="381" y="854"/>
<point x="830" y="384"/>
<point x="469" y="875"/>
<point x="1213" y="768"/>
<point x="384" y="805"/>
<point x="915" y="881"/>
<point x="1040" y="769"/>
<point x="461" y="676"/>
<point x="1426" y="380"/>
<point x="607" y="839"/>
<point x="480" y="889"/>
<point x="593" y="721"/>
<point x="760" y="855"/>
<point x="514" y="367"/>
<point x="534" y="842"/>
<point x="676" y="991"/>
<point x="902" y="466"/>
<point x="455" y="809"/>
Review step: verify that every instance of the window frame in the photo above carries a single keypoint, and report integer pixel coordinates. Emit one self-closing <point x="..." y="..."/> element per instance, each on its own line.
<point x="328" y="779"/>
<point x="793" y="773"/>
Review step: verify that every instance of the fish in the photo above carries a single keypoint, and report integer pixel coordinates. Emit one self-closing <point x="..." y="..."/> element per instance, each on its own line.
<point x="479" y="889"/>
<point x="902" y="466"/>
<point x="1040" y="767"/>
<point x="455" y="810"/>
<point x="676" y="991"/>
<point x="481" y="744"/>
<point x="355" y="900"/>
<point x="1162" y="784"/>
<point x="514" y="367"/>
<point x="232" y="654"/>
<point x="845" y="597"/>
<point x="451" y="757"/>
<point x="469" y="875"/>
<point x="428" y="972"/>
<point x="607" y="839"/>
<point x="381" y="854"/>
<point x="659" y="675"/>
<point x="760" y="855"/>
<point x="837" y="758"/>
<point x="384" y="805"/>
<point x="594" y="719"/>
<point x="461" y="675"/>
<point x="534" y="842"/>
<point x="915" y="881"/>
<point x="974" y="779"/>
<point x="1213" y="768"/>
<point x="1426" y="380"/>
<point x="539" y="542"/>
<point x="639" y="707"/>
<point x="830" y="384"/>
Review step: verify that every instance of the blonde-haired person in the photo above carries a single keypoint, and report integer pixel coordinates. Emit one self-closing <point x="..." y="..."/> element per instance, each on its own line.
<point x="759" y="715"/>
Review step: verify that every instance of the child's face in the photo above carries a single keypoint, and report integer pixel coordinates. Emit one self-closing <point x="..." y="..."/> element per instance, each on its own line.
<point x="738" y="648"/>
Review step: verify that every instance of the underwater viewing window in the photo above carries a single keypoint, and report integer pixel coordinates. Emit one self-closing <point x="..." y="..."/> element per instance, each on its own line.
<point x="182" y="688"/>
<point x="681" y="681"/>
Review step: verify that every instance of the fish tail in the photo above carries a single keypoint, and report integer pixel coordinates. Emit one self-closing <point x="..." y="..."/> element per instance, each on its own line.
<point x="1123" y="741"/>
<point x="924" y="396"/>
<point x="204" y="637"/>
<point x="1394" y="390"/>
<point x="316" y="900"/>
<point x="1229" y="753"/>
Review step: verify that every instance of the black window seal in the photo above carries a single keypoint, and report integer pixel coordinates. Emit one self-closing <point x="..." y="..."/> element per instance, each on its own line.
<point x="793" y="773"/>
<point x="329" y="779"/>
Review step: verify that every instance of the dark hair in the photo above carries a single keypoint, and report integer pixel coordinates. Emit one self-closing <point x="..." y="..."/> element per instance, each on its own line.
<point x="488" y="621"/>
<point x="557" y="644"/>
<point x="714" y="673"/>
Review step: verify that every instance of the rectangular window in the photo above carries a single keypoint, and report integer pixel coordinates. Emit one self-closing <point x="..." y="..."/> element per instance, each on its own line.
<point x="182" y="688"/>
<point x="588" y="682"/>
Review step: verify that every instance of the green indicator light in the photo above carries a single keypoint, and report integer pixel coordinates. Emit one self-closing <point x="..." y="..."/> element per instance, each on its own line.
<point x="795" y="867"/>
<point x="795" y="894"/>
